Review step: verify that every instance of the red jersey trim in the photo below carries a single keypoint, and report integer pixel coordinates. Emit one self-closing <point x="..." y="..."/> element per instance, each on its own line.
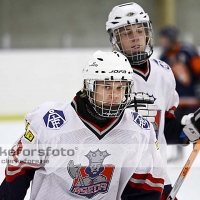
<point x="146" y="182"/>
<point x="170" y="114"/>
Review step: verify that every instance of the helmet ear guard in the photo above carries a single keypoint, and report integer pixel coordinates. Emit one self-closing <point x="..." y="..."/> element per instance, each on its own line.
<point x="111" y="36"/>
<point x="89" y="84"/>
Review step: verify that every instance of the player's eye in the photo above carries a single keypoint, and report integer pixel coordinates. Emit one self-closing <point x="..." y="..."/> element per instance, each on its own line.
<point x="126" y="32"/>
<point x="120" y="87"/>
<point x="107" y="87"/>
<point x="140" y="30"/>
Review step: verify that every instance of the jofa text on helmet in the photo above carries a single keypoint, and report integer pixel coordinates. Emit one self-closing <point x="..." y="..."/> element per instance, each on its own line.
<point x="118" y="71"/>
<point x="94" y="64"/>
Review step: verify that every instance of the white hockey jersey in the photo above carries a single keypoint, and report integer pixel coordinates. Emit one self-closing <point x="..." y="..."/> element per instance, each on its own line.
<point x="159" y="82"/>
<point x="73" y="163"/>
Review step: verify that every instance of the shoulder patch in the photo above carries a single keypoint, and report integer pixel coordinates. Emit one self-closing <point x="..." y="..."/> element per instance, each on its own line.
<point x="54" y="119"/>
<point x="162" y="64"/>
<point x="156" y="144"/>
<point x="141" y="121"/>
<point x="29" y="136"/>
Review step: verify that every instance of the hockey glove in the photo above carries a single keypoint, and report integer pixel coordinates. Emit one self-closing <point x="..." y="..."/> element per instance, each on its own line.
<point x="192" y="128"/>
<point x="144" y="105"/>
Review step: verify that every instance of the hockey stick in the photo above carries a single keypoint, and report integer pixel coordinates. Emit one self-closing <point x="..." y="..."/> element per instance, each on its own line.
<point x="184" y="171"/>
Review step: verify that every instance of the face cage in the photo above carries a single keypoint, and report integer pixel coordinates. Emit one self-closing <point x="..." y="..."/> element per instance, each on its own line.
<point x="141" y="56"/>
<point x="110" y="111"/>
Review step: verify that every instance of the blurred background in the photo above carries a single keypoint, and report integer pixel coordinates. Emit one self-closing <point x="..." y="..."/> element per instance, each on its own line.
<point x="44" y="43"/>
<point x="76" y="23"/>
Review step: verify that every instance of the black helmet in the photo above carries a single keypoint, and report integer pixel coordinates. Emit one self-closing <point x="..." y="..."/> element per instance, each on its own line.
<point x="170" y="32"/>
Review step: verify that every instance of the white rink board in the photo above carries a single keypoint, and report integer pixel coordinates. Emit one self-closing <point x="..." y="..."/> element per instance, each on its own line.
<point x="28" y="78"/>
<point x="31" y="77"/>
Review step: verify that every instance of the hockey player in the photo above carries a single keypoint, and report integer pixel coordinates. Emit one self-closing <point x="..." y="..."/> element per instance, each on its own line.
<point x="90" y="148"/>
<point x="131" y="33"/>
<point x="184" y="60"/>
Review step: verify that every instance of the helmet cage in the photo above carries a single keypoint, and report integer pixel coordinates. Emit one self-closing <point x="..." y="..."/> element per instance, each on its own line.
<point x="110" y="110"/>
<point x="141" y="56"/>
<point x="112" y="67"/>
<point x="130" y="14"/>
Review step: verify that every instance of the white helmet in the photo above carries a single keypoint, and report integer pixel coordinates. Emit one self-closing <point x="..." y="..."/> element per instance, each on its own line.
<point x="130" y="14"/>
<point x="112" y="67"/>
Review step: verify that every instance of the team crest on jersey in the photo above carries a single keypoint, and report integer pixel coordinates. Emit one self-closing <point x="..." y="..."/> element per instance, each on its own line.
<point x="54" y="119"/>
<point x="93" y="179"/>
<point x="139" y="120"/>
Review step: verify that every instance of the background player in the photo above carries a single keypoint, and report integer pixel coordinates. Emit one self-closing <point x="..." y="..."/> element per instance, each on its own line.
<point x="131" y="33"/>
<point x="184" y="60"/>
<point x="112" y="151"/>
